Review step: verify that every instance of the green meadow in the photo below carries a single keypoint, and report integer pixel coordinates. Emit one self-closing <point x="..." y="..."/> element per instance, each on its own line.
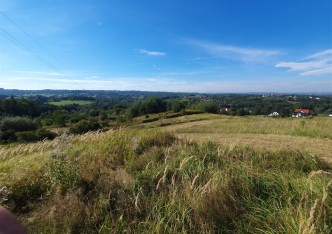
<point x="71" y="102"/>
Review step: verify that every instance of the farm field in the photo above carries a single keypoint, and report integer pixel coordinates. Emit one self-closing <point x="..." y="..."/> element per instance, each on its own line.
<point x="198" y="173"/>
<point x="71" y="102"/>
<point x="307" y="135"/>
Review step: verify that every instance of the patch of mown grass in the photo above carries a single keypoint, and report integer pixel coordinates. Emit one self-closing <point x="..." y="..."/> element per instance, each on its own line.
<point x="149" y="181"/>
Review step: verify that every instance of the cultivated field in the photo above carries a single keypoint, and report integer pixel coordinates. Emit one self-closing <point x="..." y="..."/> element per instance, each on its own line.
<point x="191" y="174"/>
<point x="312" y="135"/>
<point x="70" y="102"/>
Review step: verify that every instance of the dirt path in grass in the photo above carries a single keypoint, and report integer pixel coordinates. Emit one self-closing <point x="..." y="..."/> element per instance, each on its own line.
<point x="319" y="147"/>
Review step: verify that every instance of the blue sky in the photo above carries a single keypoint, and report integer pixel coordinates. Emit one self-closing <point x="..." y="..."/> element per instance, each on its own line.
<point x="173" y="45"/>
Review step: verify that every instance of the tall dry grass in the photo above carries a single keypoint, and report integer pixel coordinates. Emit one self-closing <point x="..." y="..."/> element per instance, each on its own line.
<point x="149" y="181"/>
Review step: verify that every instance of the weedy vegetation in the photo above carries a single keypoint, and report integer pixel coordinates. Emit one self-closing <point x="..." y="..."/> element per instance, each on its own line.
<point x="150" y="181"/>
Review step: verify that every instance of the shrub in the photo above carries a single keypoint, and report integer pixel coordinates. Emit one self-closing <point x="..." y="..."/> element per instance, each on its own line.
<point x="7" y="136"/>
<point x="18" y="124"/>
<point x="84" y="126"/>
<point x="32" y="136"/>
<point x="209" y="107"/>
<point x="45" y="134"/>
<point x="28" y="136"/>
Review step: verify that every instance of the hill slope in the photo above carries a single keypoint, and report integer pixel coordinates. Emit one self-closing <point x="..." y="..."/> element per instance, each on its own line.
<point x="149" y="179"/>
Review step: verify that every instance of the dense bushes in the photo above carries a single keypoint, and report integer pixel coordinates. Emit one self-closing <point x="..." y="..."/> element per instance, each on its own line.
<point x="84" y="126"/>
<point x="150" y="106"/>
<point x="17" y="124"/>
<point x="19" y="107"/>
<point x="22" y="129"/>
<point x="10" y="126"/>
<point x="209" y="107"/>
<point x="31" y="136"/>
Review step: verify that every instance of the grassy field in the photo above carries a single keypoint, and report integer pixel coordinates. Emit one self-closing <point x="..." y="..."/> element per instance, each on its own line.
<point x="318" y="127"/>
<point x="190" y="174"/>
<point x="70" y="102"/>
<point x="308" y="135"/>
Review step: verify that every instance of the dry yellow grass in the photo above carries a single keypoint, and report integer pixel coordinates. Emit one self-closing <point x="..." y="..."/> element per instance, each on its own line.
<point x="309" y="135"/>
<point x="319" y="147"/>
<point x="131" y="180"/>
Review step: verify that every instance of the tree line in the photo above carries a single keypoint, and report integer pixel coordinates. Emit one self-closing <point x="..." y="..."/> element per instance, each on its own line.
<point x="32" y="118"/>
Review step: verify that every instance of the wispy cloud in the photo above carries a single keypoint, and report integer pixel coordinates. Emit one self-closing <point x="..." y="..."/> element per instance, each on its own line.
<point x="91" y="77"/>
<point x="151" y="53"/>
<point x="156" y="67"/>
<point x="250" y="55"/>
<point x="313" y="65"/>
<point x="42" y="73"/>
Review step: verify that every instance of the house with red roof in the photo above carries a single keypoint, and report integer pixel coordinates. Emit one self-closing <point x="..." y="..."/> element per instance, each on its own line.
<point x="301" y="113"/>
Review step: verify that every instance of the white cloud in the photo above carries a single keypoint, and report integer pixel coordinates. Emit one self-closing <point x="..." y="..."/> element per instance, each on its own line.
<point x="324" y="54"/>
<point x="250" y="55"/>
<point x="325" y="70"/>
<point x="301" y="66"/>
<point x="152" y="53"/>
<point x="91" y="77"/>
<point x="42" y="73"/>
<point x="313" y="65"/>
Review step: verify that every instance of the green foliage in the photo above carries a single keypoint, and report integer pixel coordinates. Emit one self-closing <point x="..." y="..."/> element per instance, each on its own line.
<point x="175" y="105"/>
<point x="70" y="102"/>
<point x="22" y="129"/>
<point x="209" y="107"/>
<point x="28" y="136"/>
<point x="63" y="173"/>
<point x="7" y="136"/>
<point x="33" y="136"/>
<point x="151" y="105"/>
<point x="59" y="118"/>
<point x="242" y="112"/>
<point x="19" y="107"/>
<point x="84" y="126"/>
<point x="27" y="190"/>
<point x="18" y="124"/>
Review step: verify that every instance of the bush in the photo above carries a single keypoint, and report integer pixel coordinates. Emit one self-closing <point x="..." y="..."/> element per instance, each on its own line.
<point x="209" y="107"/>
<point x="45" y="134"/>
<point x="32" y="136"/>
<point x="28" y="136"/>
<point x="84" y="126"/>
<point x="18" y="124"/>
<point x="7" y="136"/>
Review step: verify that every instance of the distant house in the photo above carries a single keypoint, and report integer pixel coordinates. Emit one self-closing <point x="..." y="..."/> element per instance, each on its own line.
<point x="301" y="113"/>
<point x="274" y="114"/>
